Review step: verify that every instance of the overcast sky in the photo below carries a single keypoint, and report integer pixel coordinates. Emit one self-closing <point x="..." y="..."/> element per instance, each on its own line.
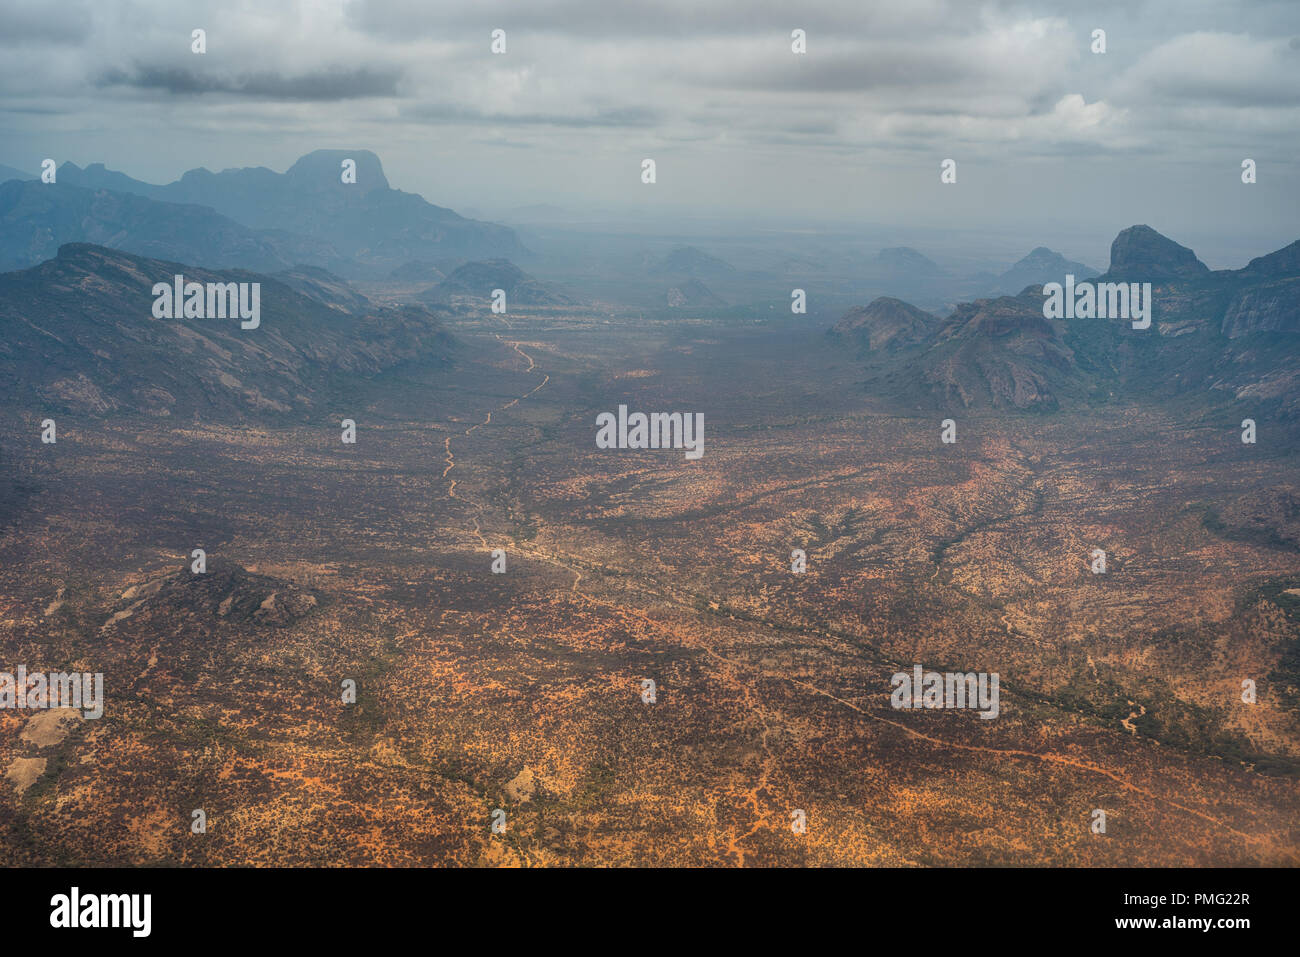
<point x="1049" y="137"/>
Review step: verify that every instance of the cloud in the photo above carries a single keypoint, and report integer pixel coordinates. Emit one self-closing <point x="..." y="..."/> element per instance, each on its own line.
<point x="625" y="20"/>
<point x="1221" y="69"/>
<point x="875" y="76"/>
<point x="36" y="24"/>
<point x="321" y="85"/>
<point x="711" y="89"/>
<point x="629" y="116"/>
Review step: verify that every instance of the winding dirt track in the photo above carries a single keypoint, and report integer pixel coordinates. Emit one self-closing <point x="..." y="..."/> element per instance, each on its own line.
<point x="451" y="457"/>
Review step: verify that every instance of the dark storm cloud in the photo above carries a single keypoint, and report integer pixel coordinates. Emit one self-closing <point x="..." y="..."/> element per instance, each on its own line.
<point x="37" y="110"/>
<point x="321" y="85"/>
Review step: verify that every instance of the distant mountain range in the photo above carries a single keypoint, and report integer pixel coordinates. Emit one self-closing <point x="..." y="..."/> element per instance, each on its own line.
<point x="902" y="267"/>
<point x="88" y="248"/>
<point x="37" y="218"/>
<point x="79" y="335"/>
<point x="904" y="262"/>
<point x="1039" y="267"/>
<point x="692" y="294"/>
<point x="416" y="271"/>
<point x="1230" y="335"/>
<point x="689" y="261"/>
<point x="887" y="323"/>
<point x="263" y="219"/>
<point x="475" y="282"/>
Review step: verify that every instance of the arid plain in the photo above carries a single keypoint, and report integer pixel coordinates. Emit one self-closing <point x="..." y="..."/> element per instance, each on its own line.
<point x="523" y="691"/>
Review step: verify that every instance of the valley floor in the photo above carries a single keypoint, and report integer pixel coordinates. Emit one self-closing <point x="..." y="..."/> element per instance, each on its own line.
<point x="522" y="692"/>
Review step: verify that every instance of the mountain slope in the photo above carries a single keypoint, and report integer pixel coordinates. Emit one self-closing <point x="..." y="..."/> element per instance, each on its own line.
<point x="903" y="262"/>
<point x="78" y="334"/>
<point x="475" y="281"/>
<point x="1226" y="340"/>
<point x="692" y="294"/>
<point x="415" y="271"/>
<point x="886" y="323"/>
<point x="1039" y="267"/>
<point x="325" y="288"/>
<point x="37" y="218"/>
<point x="999" y="353"/>
<point x="8" y="172"/>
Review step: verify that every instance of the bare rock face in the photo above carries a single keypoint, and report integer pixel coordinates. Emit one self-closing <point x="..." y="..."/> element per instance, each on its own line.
<point x="1283" y="262"/>
<point x="227" y="596"/>
<point x="1273" y="307"/>
<point x="1143" y="253"/>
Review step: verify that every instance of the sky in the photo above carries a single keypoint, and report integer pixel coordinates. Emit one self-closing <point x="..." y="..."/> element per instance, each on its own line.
<point x="1051" y="140"/>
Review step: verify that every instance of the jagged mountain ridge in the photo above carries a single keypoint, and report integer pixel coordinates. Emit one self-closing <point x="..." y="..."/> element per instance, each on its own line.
<point x="369" y="227"/>
<point x="1230" y="335"/>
